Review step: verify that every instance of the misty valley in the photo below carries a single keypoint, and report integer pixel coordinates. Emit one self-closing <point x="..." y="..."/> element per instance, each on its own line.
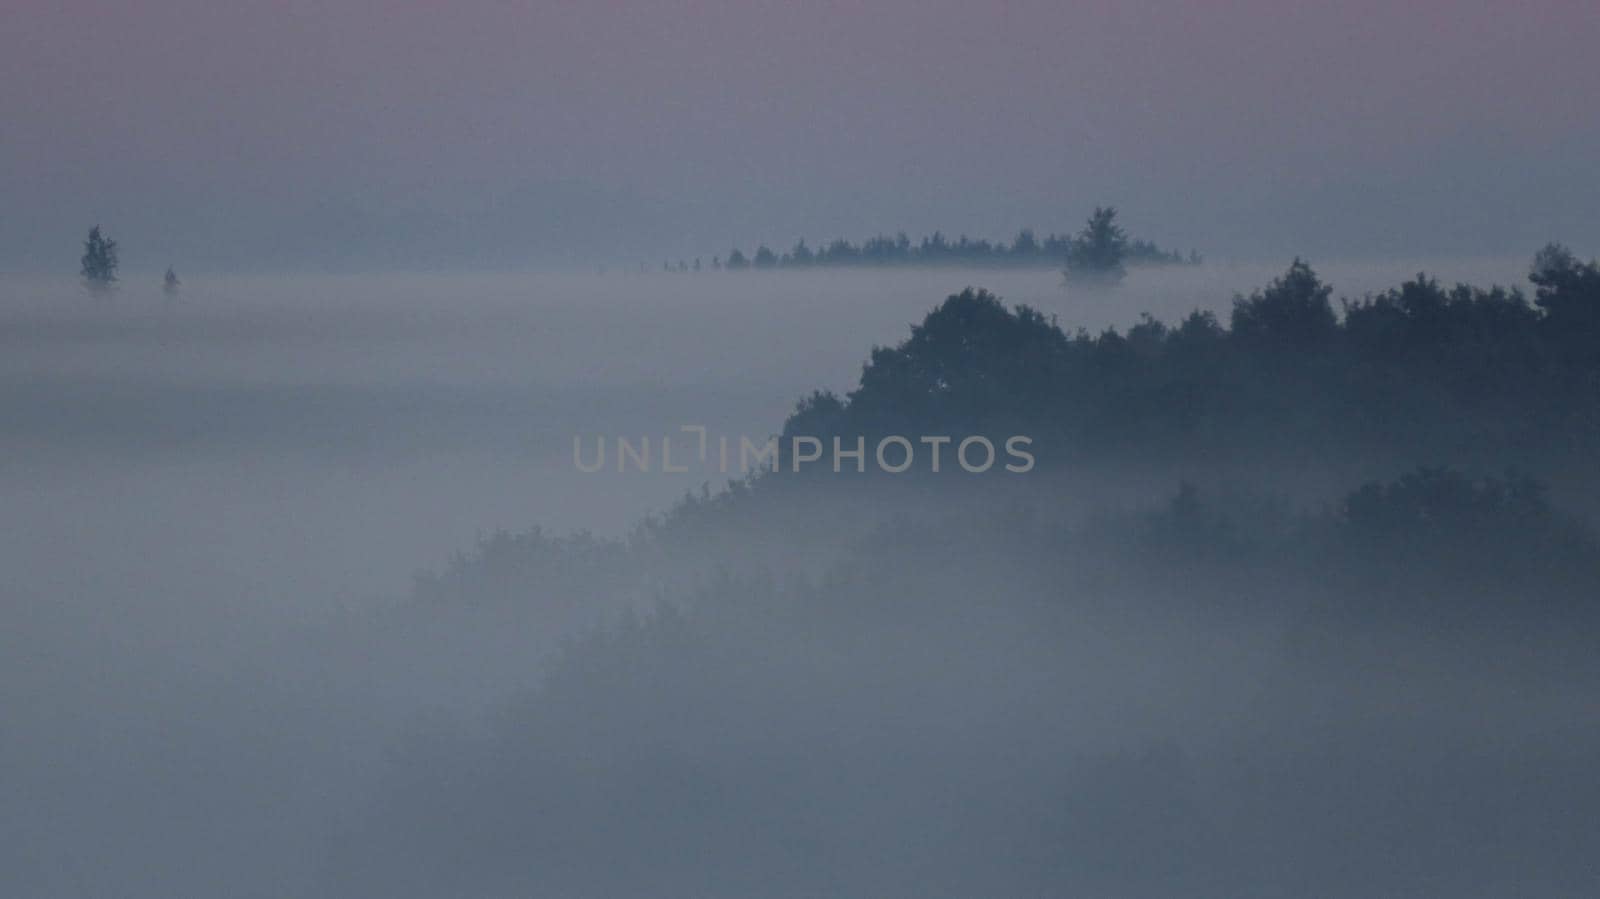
<point x="1281" y="580"/>
<point x="714" y="449"/>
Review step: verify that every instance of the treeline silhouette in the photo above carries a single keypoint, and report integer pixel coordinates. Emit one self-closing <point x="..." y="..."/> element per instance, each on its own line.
<point x="1413" y="370"/>
<point x="1286" y="393"/>
<point x="1482" y="379"/>
<point x="1025" y="250"/>
<point x="983" y="692"/>
<point x="1433" y="536"/>
<point x="938" y="681"/>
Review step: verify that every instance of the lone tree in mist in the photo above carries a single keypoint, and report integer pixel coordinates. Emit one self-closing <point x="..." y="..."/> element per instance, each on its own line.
<point x="1096" y="254"/>
<point x="99" y="260"/>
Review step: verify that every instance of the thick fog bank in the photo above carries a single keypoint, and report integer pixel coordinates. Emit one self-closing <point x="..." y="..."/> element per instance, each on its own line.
<point x="297" y="599"/>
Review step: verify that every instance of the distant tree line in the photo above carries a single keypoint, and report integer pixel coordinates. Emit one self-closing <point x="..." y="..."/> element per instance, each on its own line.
<point x="1101" y="246"/>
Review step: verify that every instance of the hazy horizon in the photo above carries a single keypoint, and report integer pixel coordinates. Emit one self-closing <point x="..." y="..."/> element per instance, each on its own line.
<point x="385" y="135"/>
<point x="310" y="585"/>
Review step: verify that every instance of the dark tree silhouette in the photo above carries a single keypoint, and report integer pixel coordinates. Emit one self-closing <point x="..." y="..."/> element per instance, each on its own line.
<point x="1419" y="368"/>
<point x="1569" y="294"/>
<point x="99" y="262"/>
<point x="1026" y="250"/>
<point x="1025" y="245"/>
<point x="1293" y="312"/>
<point x="1097" y="253"/>
<point x="971" y="361"/>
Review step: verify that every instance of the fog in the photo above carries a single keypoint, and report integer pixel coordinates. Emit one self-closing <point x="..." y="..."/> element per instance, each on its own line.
<point x="222" y="675"/>
<point x="1280" y="579"/>
<point x="375" y="424"/>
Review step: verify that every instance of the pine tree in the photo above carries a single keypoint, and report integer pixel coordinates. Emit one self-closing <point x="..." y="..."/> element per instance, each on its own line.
<point x="1097" y="252"/>
<point x="99" y="260"/>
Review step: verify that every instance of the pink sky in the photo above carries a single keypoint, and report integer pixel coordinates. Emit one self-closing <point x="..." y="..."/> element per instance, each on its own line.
<point x="676" y="127"/>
